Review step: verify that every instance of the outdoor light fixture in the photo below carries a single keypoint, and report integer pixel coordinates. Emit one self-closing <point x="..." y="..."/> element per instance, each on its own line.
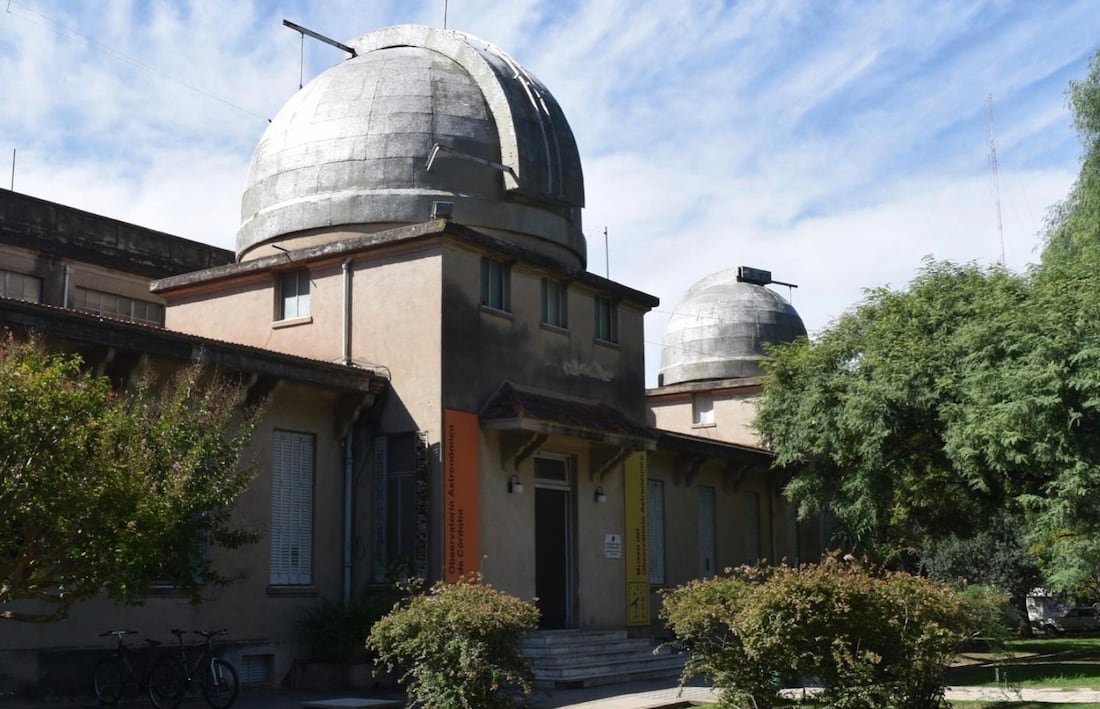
<point x="601" y="496"/>
<point x="515" y="487"/>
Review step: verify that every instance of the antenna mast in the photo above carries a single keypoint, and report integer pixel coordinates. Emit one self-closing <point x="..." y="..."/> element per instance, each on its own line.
<point x="996" y="176"/>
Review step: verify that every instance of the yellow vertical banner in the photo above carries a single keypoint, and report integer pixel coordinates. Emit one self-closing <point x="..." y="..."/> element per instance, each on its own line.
<point x="460" y="494"/>
<point x="636" y="542"/>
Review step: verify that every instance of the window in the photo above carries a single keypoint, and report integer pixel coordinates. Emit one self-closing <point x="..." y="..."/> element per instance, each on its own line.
<point x="294" y="294"/>
<point x="655" y="514"/>
<point x="20" y="286"/>
<point x="702" y="409"/>
<point x="607" y="319"/>
<point x="400" y="505"/>
<point x="495" y="284"/>
<point x="752" y="527"/>
<point x="554" y="303"/>
<point x="292" y="509"/>
<point x="118" y="306"/>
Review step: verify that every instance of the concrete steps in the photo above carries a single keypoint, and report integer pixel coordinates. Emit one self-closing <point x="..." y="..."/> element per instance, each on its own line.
<point x="565" y="659"/>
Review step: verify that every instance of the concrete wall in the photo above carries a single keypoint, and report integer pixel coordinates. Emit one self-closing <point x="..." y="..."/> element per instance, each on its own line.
<point x="51" y="270"/>
<point x="670" y="409"/>
<point x="57" y="231"/>
<point x="484" y="347"/>
<point x="507" y="531"/>
<point x="736" y="542"/>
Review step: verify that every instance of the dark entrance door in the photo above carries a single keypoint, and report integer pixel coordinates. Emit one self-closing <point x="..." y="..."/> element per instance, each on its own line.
<point x="552" y="556"/>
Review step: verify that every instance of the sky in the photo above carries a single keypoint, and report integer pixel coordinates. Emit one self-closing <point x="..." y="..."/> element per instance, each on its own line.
<point x="836" y="144"/>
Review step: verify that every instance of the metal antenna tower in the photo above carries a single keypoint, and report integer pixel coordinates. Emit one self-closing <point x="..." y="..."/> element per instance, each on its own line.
<point x="996" y="175"/>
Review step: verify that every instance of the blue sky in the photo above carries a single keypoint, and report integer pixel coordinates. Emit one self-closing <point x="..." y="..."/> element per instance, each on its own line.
<point x="834" y="143"/>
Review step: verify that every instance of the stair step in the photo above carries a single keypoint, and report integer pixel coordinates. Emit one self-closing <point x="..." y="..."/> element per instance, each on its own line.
<point x="544" y="638"/>
<point x="548" y="651"/>
<point x="586" y="658"/>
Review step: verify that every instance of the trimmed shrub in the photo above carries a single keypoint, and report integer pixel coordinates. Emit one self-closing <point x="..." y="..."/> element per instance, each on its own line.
<point x="867" y="639"/>
<point x="457" y="646"/>
<point x="334" y="630"/>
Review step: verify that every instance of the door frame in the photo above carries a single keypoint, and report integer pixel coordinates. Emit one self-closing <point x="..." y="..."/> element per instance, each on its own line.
<point x="568" y="486"/>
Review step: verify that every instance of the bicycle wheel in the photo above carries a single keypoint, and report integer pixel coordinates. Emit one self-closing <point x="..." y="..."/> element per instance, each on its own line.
<point x="167" y="683"/>
<point x="219" y="684"/>
<point x="108" y="680"/>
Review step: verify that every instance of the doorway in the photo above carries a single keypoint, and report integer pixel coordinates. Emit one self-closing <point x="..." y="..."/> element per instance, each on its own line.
<point x="554" y="575"/>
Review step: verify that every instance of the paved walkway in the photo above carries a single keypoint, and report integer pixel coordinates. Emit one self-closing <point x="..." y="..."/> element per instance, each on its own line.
<point x="637" y="695"/>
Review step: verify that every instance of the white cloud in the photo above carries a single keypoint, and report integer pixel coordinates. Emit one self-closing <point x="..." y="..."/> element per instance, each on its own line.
<point x="833" y="143"/>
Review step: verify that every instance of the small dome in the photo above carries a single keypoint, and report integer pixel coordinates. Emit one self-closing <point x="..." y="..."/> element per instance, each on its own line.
<point x="719" y="329"/>
<point x="353" y="147"/>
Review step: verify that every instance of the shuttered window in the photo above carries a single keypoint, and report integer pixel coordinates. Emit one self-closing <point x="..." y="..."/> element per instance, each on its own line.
<point x="292" y="509"/>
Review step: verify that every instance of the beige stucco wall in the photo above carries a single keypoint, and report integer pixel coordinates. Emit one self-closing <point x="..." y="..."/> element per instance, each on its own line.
<point x="507" y="530"/>
<point x="734" y="411"/>
<point x="734" y="539"/>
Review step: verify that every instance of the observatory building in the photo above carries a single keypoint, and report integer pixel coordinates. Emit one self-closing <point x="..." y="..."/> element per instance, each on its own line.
<point x="450" y="392"/>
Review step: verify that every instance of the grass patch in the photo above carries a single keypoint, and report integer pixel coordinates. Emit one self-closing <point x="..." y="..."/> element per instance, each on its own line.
<point x="1061" y="663"/>
<point x="1023" y="705"/>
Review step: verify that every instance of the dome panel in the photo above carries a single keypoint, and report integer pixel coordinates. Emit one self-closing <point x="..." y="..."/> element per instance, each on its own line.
<point x="719" y="329"/>
<point x="354" y="143"/>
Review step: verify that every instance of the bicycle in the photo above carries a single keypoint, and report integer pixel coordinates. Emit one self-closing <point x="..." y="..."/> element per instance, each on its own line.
<point x="115" y="674"/>
<point x="217" y="677"/>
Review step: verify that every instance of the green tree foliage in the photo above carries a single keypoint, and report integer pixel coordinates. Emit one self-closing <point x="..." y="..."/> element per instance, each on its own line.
<point x="457" y="646"/>
<point x="920" y="413"/>
<point x="1073" y="229"/>
<point x="868" y="416"/>
<point x="108" y="493"/>
<point x="996" y="556"/>
<point x="867" y="639"/>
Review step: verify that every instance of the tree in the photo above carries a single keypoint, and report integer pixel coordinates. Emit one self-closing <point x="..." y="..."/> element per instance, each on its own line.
<point x="866" y="416"/>
<point x="105" y="492"/>
<point x="920" y="413"/>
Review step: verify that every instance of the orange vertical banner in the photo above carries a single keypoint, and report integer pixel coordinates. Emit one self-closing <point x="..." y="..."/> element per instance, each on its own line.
<point x="460" y="494"/>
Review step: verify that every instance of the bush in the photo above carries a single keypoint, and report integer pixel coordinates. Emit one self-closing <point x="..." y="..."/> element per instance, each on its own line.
<point x="334" y="630"/>
<point x="867" y="639"/>
<point x="457" y="646"/>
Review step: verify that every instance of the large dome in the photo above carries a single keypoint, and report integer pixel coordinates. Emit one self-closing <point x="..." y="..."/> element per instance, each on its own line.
<point x="419" y="115"/>
<point x="719" y="329"/>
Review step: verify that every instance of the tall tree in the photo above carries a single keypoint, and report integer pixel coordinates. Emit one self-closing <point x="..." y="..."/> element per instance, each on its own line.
<point x="109" y="493"/>
<point x="920" y="413"/>
<point x="866" y="416"/>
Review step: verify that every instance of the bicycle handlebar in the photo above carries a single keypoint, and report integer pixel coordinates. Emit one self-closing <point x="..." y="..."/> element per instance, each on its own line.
<point x="119" y="633"/>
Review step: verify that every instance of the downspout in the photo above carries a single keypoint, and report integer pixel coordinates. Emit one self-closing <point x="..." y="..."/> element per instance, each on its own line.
<point x="65" y="287"/>
<point x="348" y="438"/>
<point x="347" y="313"/>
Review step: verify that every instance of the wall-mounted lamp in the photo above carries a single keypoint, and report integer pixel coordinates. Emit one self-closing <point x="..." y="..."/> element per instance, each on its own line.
<point x="515" y="487"/>
<point x="601" y="496"/>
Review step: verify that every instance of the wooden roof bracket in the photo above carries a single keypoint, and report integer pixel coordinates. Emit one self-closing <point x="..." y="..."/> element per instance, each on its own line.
<point x="687" y="468"/>
<point x="602" y="460"/>
<point x="734" y="475"/>
<point x="517" y="448"/>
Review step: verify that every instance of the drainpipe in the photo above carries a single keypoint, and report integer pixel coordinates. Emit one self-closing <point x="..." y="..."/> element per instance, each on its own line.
<point x="348" y="438"/>
<point x="347" y="312"/>
<point x="347" y="513"/>
<point x="65" y="287"/>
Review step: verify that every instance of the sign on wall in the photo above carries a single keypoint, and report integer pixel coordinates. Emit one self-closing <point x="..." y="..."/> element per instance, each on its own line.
<point x="460" y="494"/>
<point x="637" y="541"/>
